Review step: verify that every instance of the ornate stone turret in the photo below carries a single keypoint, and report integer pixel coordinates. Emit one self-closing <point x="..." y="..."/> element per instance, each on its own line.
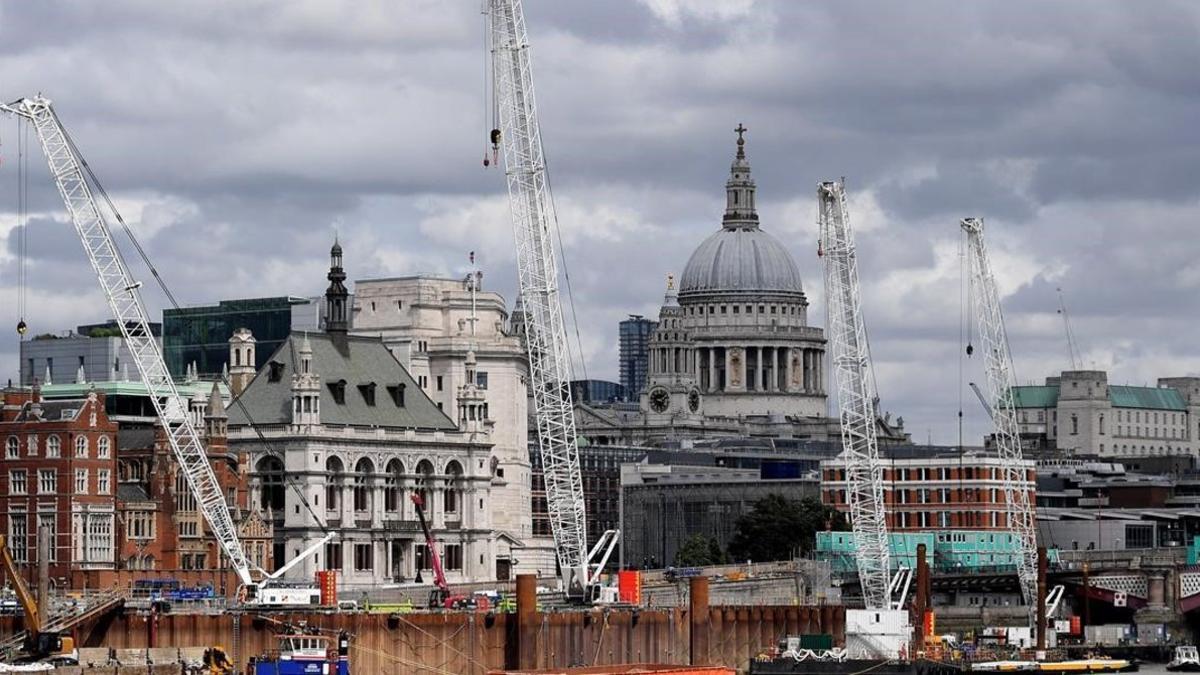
<point x="472" y="405"/>
<point x="336" y="296"/>
<point x="216" y="422"/>
<point x="241" y="361"/>
<point x="306" y="389"/>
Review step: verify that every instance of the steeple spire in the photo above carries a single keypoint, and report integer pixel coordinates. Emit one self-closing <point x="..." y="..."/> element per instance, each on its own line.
<point x="336" y="296"/>
<point x="739" y="190"/>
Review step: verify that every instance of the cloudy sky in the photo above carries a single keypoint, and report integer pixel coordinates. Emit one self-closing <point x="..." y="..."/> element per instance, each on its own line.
<point x="237" y="136"/>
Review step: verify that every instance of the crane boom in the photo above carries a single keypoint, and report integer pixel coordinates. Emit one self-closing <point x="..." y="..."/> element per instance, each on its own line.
<point x="125" y="301"/>
<point x="856" y="396"/>
<point x="1000" y="382"/>
<point x="534" y="224"/>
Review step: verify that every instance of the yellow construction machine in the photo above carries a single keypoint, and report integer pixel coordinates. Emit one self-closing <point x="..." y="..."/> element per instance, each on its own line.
<point x="39" y="643"/>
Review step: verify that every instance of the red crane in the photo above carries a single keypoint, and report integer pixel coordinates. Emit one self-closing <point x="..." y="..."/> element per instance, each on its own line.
<point x="441" y="597"/>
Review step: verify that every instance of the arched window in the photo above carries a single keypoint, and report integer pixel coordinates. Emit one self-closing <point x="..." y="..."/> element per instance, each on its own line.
<point x="333" y="483"/>
<point x="103" y="447"/>
<point x="81" y="446"/>
<point x="53" y="447"/>
<point x="270" y="481"/>
<point x="1074" y="423"/>
<point x="393" y="494"/>
<point x="454" y="472"/>
<point x="362" y="484"/>
<point x="1101" y="424"/>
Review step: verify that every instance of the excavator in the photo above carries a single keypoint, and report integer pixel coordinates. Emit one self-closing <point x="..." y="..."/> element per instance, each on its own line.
<point x="441" y="597"/>
<point x="39" y="643"/>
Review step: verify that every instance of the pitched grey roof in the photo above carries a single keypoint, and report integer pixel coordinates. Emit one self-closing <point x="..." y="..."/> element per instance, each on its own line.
<point x="134" y="438"/>
<point x="132" y="492"/>
<point x="354" y="360"/>
<point x="54" y="411"/>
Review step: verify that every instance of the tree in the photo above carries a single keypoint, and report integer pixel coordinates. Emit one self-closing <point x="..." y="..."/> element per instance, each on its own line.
<point x="777" y="528"/>
<point x="699" y="550"/>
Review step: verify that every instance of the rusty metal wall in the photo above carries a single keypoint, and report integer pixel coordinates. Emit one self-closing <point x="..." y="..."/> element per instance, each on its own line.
<point x="471" y="644"/>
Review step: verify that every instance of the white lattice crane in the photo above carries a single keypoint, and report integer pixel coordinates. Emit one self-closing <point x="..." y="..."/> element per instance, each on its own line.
<point x="1000" y="383"/>
<point x="847" y="335"/>
<point x="124" y="299"/>
<point x="534" y="224"/>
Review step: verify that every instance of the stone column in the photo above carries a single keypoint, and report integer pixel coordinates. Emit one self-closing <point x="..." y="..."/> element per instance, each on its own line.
<point x="819" y="357"/>
<point x="807" y="374"/>
<point x="377" y="488"/>
<point x="759" y="369"/>
<point x="437" y="513"/>
<point x="773" y="371"/>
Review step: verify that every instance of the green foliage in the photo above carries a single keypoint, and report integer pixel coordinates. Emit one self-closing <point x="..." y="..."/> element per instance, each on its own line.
<point x="778" y="528"/>
<point x="699" y="550"/>
<point x="104" y="332"/>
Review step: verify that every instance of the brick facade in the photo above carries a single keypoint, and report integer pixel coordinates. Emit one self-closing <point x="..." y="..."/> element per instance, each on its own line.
<point x="59" y="471"/>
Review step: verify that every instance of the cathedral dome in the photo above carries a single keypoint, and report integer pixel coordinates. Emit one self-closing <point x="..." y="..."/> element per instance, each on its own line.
<point x="740" y="257"/>
<point x="740" y="261"/>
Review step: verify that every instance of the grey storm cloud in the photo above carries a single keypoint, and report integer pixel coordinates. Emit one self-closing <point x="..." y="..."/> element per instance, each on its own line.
<point x="239" y="136"/>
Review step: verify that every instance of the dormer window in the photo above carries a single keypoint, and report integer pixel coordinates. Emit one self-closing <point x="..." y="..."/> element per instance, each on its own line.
<point x="338" y="389"/>
<point x="397" y="393"/>
<point x="274" y="371"/>
<point x="368" y="392"/>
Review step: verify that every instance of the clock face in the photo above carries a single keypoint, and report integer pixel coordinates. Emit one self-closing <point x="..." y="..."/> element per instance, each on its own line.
<point x="660" y="400"/>
<point x="694" y="400"/>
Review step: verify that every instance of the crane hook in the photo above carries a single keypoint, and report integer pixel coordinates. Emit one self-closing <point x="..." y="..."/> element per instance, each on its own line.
<point x="22" y="327"/>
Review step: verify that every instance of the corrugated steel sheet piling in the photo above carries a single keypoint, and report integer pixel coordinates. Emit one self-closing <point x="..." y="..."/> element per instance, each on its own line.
<point x="527" y="622"/>
<point x="699" y="620"/>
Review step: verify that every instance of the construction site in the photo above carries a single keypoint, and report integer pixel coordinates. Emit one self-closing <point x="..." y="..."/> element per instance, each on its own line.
<point x="275" y="604"/>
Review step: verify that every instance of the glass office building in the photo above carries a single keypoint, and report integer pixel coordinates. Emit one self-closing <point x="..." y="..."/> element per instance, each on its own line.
<point x="635" y="335"/>
<point x="201" y="335"/>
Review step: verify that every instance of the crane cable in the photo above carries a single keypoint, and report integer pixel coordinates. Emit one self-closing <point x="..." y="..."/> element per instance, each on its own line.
<point x="162" y="284"/>
<point x="22" y="224"/>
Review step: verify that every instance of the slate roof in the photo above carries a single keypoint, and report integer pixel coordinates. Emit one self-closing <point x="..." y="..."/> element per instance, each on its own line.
<point x="132" y="492"/>
<point x="354" y="360"/>
<point x="135" y="438"/>
<point x="55" y="411"/>
<point x="1148" y="398"/>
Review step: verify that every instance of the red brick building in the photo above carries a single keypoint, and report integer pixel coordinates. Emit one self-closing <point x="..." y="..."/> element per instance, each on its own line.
<point x="160" y="526"/>
<point x="942" y="492"/>
<point x="59" y="472"/>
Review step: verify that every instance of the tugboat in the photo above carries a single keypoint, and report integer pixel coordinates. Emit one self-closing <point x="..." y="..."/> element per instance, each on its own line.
<point x="304" y="653"/>
<point x="1187" y="660"/>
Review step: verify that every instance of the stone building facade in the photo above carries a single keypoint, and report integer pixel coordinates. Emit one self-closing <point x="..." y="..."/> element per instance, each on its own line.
<point x="733" y="353"/>
<point x="60" y="473"/>
<point x="348" y="436"/>
<point x="1079" y="412"/>
<point x="431" y="325"/>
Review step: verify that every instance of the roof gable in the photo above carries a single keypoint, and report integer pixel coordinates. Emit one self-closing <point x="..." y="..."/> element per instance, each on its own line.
<point x="357" y="361"/>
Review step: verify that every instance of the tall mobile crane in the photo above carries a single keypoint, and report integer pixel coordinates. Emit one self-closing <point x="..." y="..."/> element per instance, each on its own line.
<point x="856" y="397"/>
<point x="125" y="300"/>
<point x="1000" y="382"/>
<point x="534" y="224"/>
